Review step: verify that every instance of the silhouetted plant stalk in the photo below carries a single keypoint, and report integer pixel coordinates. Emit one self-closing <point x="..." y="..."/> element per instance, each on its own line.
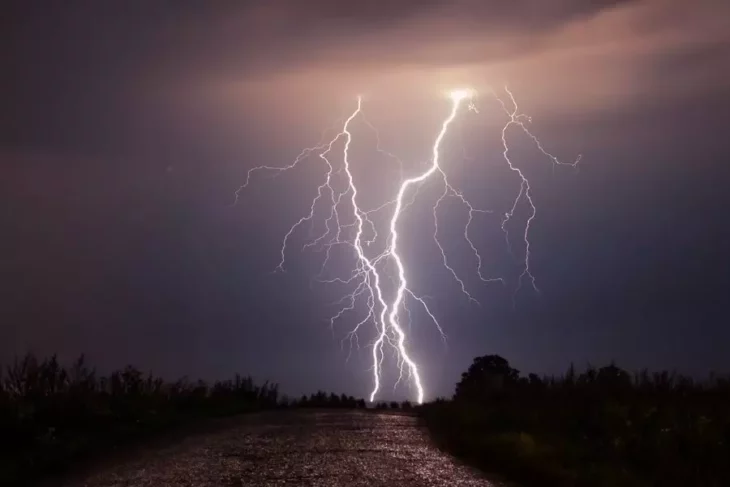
<point x="51" y="415"/>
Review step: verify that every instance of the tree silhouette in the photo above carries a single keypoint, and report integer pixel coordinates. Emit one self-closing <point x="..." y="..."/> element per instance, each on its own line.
<point x="486" y="375"/>
<point x="601" y="426"/>
<point x="613" y="378"/>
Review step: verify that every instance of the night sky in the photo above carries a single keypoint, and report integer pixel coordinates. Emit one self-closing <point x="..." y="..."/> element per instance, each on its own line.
<point x="126" y="128"/>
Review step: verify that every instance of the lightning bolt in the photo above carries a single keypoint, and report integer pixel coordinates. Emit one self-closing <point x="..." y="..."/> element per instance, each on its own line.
<point x="347" y="224"/>
<point x="521" y="121"/>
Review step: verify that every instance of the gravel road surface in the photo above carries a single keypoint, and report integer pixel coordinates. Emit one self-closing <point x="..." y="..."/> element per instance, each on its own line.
<point x="307" y="448"/>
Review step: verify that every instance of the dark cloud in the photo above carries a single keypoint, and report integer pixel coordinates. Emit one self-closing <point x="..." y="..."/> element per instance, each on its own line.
<point x="113" y="40"/>
<point x="101" y="60"/>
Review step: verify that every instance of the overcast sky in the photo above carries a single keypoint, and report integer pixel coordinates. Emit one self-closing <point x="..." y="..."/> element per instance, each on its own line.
<point x="126" y="128"/>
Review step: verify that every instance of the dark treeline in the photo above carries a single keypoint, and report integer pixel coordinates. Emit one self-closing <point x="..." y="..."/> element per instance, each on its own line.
<point x="52" y="417"/>
<point x="323" y="400"/>
<point x="599" y="427"/>
<point x="405" y="405"/>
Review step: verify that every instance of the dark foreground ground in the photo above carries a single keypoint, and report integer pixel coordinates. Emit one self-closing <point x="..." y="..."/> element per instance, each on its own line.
<point x="307" y="448"/>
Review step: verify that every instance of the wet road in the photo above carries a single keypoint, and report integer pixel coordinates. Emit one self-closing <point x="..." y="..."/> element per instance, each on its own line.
<point x="296" y="448"/>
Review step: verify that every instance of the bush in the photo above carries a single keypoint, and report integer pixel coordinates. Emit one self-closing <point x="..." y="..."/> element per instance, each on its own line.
<point x="603" y="427"/>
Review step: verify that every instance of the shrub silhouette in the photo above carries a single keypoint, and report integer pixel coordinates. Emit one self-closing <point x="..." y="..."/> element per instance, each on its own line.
<point x="601" y="427"/>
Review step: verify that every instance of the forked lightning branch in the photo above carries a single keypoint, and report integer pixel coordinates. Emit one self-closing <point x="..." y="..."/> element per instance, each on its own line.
<point x="347" y="224"/>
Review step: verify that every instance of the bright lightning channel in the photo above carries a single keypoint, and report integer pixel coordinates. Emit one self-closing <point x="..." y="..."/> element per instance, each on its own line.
<point x="347" y="224"/>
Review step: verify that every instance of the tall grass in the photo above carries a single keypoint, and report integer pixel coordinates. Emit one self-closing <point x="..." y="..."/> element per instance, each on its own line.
<point x="52" y="417"/>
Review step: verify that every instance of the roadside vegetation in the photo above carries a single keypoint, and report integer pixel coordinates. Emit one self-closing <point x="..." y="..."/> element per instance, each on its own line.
<point x="600" y="427"/>
<point x="54" y="417"/>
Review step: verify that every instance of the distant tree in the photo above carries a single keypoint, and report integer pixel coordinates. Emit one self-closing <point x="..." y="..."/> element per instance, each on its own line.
<point x="588" y="377"/>
<point x="361" y="404"/>
<point x="285" y="402"/>
<point x="394" y="405"/>
<point x="406" y="405"/>
<point x="570" y="377"/>
<point x="534" y="381"/>
<point x="486" y="375"/>
<point x="318" y="400"/>
<point x="613" y="378"/>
